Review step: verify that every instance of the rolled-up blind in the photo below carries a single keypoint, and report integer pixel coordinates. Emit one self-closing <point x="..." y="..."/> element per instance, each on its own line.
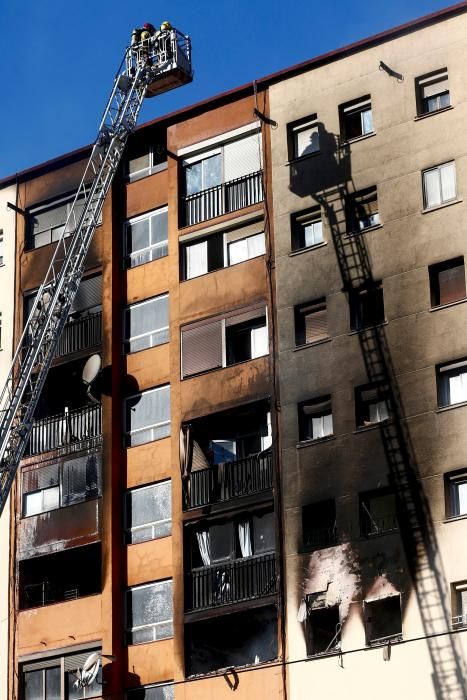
<point x="40" y="478"/>
<point x="242" y="157"/>
<point x="89" y="294"/>
<point x="201" y="347"/>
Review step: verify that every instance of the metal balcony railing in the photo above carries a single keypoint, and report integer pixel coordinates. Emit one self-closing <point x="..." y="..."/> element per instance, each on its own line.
<point x="231" y="582"/>
<point x="222" y="482"/>
<point x="82" y="334"/>
<point x="378" y="526"/>
<point x="45" y="593"/>
<point x="320" y="537"/>
<point x="459" y="621"/>
<point x="65" y="429"/>
<point x="222" y="199"/>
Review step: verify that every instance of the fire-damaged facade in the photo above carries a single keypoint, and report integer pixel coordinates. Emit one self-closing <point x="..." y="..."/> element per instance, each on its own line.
<point x="247" y="469"/>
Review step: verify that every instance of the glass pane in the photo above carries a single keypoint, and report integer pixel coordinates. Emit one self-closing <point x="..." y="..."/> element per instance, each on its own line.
<point x="136" y="164"/>
<point x="193" y="178"/>
<point x="150" y="505"/>
<point x="313" y="233"/>
<point x="51" y="498"/>
<point x="221" y="537"/>
<point x="367" y="121"/>
<point x="306" y="141"/>
<point x="137" y="235"/>
<point x="151" y="316"/>
<point x="212" y="171"/>
<point x="159" y="227"/>
<point x="148" y="408"/>
<point x="34" y="685"/>
<point x="238" y="251"/>
<point x="259" y="341"/>
<point x="448" y="181"/>
<point x="196" y="259"/>
<point x="32" y="503"/>
<point x="150" y="604"/>
<point x="53" y="683"/>
<point x="431" y="182"/>
<point x="462" y="497"/>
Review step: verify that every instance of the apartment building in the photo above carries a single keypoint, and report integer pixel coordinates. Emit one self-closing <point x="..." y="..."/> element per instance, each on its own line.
<point x="7" y="302"/>
<point x="246" y="472"/>
<point x="369" y="178"/>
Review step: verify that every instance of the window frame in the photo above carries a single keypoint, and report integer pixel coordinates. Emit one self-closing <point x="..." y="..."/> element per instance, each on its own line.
<point x="397" y="636"/>
<point x="357" y="323"/>
<point x="127" y="434"/>
<point x="298" y="222"/>
<point x="319" y="401"/>
<point x="147" y="249"/>
<point x="330" y="538"/>
<point x="130" y="693"/>
<point x="309" y="123"/>
<point x="421" y="81"/>
<point x="434" y="272"/>
<point x="62" y="662"/>
<point x="442" y="378"/>
<point x="351" y="108"/>
<point x="366" y="516"/>
<point x="129" y="529"/>
<point x="130" y="629"/>
<point x="309" y="627"/>
<point x="442" y="202"/>
<point x="150" y="169"/>
<point x="126" y="322"/>
<point x="354" y="223"/>
<point x="382" y="396"/>
<point x="459" y="619"/>
<point x="301" y="313"/>
<point x="451" y="483"/>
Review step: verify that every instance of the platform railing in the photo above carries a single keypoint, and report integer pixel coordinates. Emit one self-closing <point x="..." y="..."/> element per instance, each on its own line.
<point x="65" y="428"/>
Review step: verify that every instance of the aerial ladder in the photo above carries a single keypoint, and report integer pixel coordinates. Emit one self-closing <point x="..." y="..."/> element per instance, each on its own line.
<point x="149" y="68"/>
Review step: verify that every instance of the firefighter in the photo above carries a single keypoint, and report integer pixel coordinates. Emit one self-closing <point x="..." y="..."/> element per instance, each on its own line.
<point x="146" y="33"/>
<point x="163" y="39"/>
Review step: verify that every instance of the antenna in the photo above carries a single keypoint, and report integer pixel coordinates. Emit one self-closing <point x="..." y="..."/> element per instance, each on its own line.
<point x="87" y="675"/>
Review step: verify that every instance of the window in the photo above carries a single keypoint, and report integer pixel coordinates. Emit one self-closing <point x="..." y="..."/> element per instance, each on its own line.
<point x="452" y="383"/>
<point x="1" y="248"/>
<point x="149" y="612"/>
<point x="307" y="229"/>
<point x="432" y="92"/>
<point x="239" y="336"/>
<point x="315" y="419"/>
<point x="362" y="210"/>
<point x="319" y="524"/>
<point x="203" y="172"/>
<point x="148" y="512"/>
<point x="459" y="604"/>
<point x="61" y="484"/>
<point x="356" y="118"/>
<point x="220" y="250"/>
<point x="366" y="307"/>
<point x="146" y="238"/>
<point x="54" y="678"/>
<point x="147" y="323"/>
<point x="371" y="405"/>
<point x="377" y="513"/>
<point x="447" y="281"/>
<point x="456" y="494"/>
<point x="322" y="629"/>
<point x="303" y="137"/>
<point x="439" y="185"/>
<point x="46" y="223"/>
<point x="147" y="416"/>
<point x="158" y="691"/>
<point x="311" y="322"/>
<point x="383" y="619"/>
<point x="146" y="160"/>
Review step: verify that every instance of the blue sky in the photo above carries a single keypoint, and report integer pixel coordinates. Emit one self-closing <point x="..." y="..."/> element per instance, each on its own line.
<point x="59" y="58"/>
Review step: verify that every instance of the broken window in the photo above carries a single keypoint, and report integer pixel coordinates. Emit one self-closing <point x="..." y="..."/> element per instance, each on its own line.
<point x="53" y="678"/>
<point x="66" y="575"/>
<point x="383" y="619"/>
<point x="315" y="419"/>
<point x="148" y="513"/>
<point x="149" y="612"/>
<point x="155" y="691"/>
<point x="146" y="237"/>
<point x="323" y="629"/>
<point x="147" y="323"/>
<point x="319" y="524"/>
<point x="371" y="405"/>
<point x="356" y="118"/>
<point x="459" y="604"/>
<point x="362" y="210"/>
<point x="147" y="416"/>
<point x="311" y="322"/>
<point x="366" y="307"/>
<point x="240" y="639"/>
<point x="447" y="281"/>
<point x="432" y="92"/>
<point x="378" y="514"/>
<point x="223" y="341"/>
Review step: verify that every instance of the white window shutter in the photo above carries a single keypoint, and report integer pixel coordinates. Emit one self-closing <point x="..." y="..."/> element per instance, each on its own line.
<point x="242" y="157"/>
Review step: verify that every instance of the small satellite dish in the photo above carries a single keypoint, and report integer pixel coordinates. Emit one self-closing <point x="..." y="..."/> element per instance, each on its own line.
<point x="87" y="675"/>
<point x="91" y="369"/>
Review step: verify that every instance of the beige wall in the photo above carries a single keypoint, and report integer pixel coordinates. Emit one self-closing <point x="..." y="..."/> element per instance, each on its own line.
<point x="7" y="272"/>
<point x="399" y="253"/>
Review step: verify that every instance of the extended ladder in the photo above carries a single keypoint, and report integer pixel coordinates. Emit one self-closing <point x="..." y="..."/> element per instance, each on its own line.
<point x="149" y="68"/>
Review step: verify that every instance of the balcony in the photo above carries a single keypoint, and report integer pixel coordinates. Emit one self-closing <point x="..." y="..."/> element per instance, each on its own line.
<point x="235" y="581"/>
<point x="223" y="482"/>
<point x="373" y="526"/>
<point x="222" y="199"/>
<point x="81" y="334"/>
<point x="64" y="429"/>
<point x="320" y="538"/>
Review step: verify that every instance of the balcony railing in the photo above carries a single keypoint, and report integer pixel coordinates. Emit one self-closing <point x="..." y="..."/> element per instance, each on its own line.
<point x="222" y="482"/>
<point x="82" y="334"/>
<point x="66" y="428"/>
<point x="231" y="582"/>
<point x="379" y="526"/>
<point x="45" y="593"/>
<point x="459" y="621"/>
<point x="222" y="199"/>
<point x="320" y="537"/>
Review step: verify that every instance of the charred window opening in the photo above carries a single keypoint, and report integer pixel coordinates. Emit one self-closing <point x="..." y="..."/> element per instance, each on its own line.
<point x="383" y="619"/>
<point x="229" y="454"/>
<point x="155" y="691"/>
<point x="367" y="307"/>
<point x="323" y="628"/>
<point x="378" y="515"/>
<point x="371" y="405"/>
<point x="64" y="390"/>
<point x="56" y="578"/>
<point x="240" y="639"/>
<point x="319" y="524"/>
<point x="447" y="281"/>
<point x="231" y="560"/>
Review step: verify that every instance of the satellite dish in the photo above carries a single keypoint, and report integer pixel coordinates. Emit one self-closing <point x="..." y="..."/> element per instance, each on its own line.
<point x="91" y="369"/>
<point x="87" y="675"/>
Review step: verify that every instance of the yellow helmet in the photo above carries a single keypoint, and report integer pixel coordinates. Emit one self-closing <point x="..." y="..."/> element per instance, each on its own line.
<point x="165" y="26"/>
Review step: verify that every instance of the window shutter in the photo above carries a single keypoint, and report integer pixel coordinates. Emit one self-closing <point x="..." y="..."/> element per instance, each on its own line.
<point x="316" y="324"/>
<point x="242" y="157"/>
<point x="41" y="478"/>
<point x="89" y="294"/>
<point x="242" y="316"/>
<point x="201" y="347"/>
<point x="245" y="231"/>
<point x="75" y="661"/>
<point x="451" y="284"/>
<point x="434" y="85"/>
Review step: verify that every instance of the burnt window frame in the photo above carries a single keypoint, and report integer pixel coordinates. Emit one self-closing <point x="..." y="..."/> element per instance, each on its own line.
<point x="433" y="78"/>
<point x="357" y="322"/>
<point x="352" y="204"/>
<point x="309" y="123"/>
<point x="391" y="523"/>
<point x="298" y="222"/>
<point x="318" y="612"/>
<point x="322" y="537"/>
<point x="371" y="604"/>
<point x="352" y="108"/>
<point x="319" y="402"/>
<point x="434" y="271"/>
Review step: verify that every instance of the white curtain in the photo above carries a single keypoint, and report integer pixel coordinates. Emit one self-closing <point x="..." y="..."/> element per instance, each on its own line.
<point x="302" y="612"/>
<point x="458" y="388"/>
<point x="378" y="411"/>
<point x="204" y="544"/>
<point x="196" y="259"/>
<point x="322" y="425"/>
<point x="244" y="535"/>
